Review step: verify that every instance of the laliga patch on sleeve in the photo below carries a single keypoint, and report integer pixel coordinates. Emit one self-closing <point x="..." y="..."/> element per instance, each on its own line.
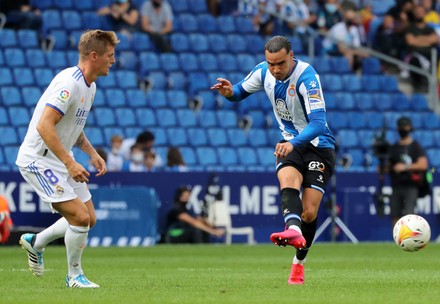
<point x="315" y="99"/>
<point x="64" y="96"/>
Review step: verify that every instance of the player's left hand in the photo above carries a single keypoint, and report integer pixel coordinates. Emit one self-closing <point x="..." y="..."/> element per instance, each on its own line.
<point x="99" y="163"/>
<point x="283" y="149"/>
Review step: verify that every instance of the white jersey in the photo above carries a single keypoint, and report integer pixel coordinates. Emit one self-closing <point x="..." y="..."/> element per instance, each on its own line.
<point x="71" y="96"/>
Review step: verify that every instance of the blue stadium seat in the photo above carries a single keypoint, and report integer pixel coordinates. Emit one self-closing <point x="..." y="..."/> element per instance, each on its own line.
<point x="23" y="77"/>
<point x="236" y="77"/>
<point x="371" y="65"/>
<point x="60" y="39"/>
<point x="157" y="80"/>
<point x="71" y="19"/>
<point x="207" y="23"/>
<point x="27" y="39"/>
<point x="135" y="98"/>
<point x="5" y="76"/>
<point x="257" y="137"/>
<point x="62" y="4"/>
<point x="352" y="83"/>
<point x="14" y="57"/>
<point x="188" y="62"/>
<point x="81" y="5"/>
<point x="227" y="62"/>
<point x="30" y="95"/>
<point x="169" y="62"/>
<point x="426" y="138"/>
<point x="51" y="20"/>
<point x="180" y="6"/>
<point x="332" y="83"/>
<point x="166" y="117"/>
<point x="197" y="82"/>
<point x="356" y="120"/>
<point x="132" y="132"/>
<point x="207" y="99"/>
<point x="128" y="60"/>
<point x="198" y="43"/>
<point x="433" y="154"/>
<point x="111" y="131"/>
<point x="4" y="120"/>
<point x="11" y="96"/>
<point x="258" y="118"/>
<point x="100" y="99"/>
<point x="178" y="99"/>
<point x="125" y="117"/>
<point x="431" y="121"/>
<point x="89" y="19"/>
<point x="273" y="136"/>
<point x="358" y="158"/>
<point x="10" y="154"/>
<point x="95" y="136"/>
<point x="417" y="119"/>
<point x="330" y="99"/>
<point x="126" y="79"/>
<point x="348" y="138"/>
<point x="383" y="101"/>
<point x="255" y="44"/>
<point x="105" y="117"/>
<point x="236" y="43"/>
<point x="388" y="83"/>
<point x="297" y="45"/>
<point x="21" y="131"/>
<point x="227" y="119"/>
<point x="56" y="59"/>
<point x="364" y="101"/>
<point x="208" y="62"/>
<point x="125" y="43"/>
<point x="207" y="156"/>
<point x="186" y="118"/>
<point x="141" y="43"/>
<point x="2" y="59"/>
<point x="188" y="23"/>
<point x="247" y="156"/>
<point x="8" y="136"/>
<point x="72" y="58"/>
<point x="371" y="83"/>
<point x="340" y="65"/>
<point x="227" y="156"/>
<point x="226" y="24"/>
<point x="245" y="62"/>
<point x="337" y="120"/>
<point x="345" y="101"/>
<point x="149" y="62"/>
<point x="266" y="158"/>
<point x="177" y="136"/>
<point x="8" y="38"/>
<point x="217" y="43"/>
<point x="115" y="98"/>
<point x="197" y="137"/>
<point x="177" y="80"/>
<point x="106" y="82"/>
<point x="146" y="117"/>
<point x="180" y="42"/>
<point x="322" y="65"/>
<point x="35" y="58"/>
<point x="207" y="119"/>
<point x="156" y="99"/>
<point x="217" y="137"/>
<point x="244" y="25"/>
<point x="366" y="137"/>
<point x="419" y="102"/>
<point x="198" y="6"/>
<point x="237" y="137"/>
<point x="401" y="102"/>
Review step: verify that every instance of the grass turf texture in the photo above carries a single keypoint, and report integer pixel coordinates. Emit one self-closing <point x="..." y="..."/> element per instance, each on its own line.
<point x="335" y="273"/>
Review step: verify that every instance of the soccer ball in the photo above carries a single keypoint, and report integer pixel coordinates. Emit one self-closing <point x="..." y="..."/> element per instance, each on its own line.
<point x="411" y="232"/>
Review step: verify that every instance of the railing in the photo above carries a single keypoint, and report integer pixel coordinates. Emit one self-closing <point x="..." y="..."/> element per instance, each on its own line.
<point x="2" y="20"/>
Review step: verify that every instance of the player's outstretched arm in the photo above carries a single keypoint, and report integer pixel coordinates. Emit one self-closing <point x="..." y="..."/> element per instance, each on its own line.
<point x="224" y="87"/>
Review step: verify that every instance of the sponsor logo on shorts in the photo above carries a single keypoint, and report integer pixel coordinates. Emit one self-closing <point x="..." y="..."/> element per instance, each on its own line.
<point x="60" y="190"/>
<point x="320" y="179"/>
<point x="316" y="166"/>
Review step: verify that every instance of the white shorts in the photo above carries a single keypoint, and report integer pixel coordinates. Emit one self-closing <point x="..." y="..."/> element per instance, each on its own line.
<point x="53" y="186"/>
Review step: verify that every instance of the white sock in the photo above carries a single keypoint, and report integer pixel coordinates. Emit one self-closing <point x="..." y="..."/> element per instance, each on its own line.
<point x="296" y="228"/>
<point x="296" y="261"/>
<point x="75" y="239"/>
<point x="51" y="233"/>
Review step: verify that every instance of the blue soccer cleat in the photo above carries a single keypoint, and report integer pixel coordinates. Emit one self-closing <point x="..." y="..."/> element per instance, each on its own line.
<point x="35" y="258"/>
<point x="80" y="282"/>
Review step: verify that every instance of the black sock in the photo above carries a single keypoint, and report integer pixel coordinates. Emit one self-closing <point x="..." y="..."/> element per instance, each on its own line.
<point x="308" y="230"/>
<point x="291" y="205"/>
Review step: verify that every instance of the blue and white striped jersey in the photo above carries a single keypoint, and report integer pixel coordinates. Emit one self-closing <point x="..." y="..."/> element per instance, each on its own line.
<point x="298" y="103"/>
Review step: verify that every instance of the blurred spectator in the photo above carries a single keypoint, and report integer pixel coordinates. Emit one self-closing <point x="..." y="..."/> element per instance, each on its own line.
<point x="5" y="220"/>
<point x="136" y="161"/>
<point x="402" y="14"/>
<point x="387" y="41"/>
<point x="21" y="15"/>
<point x="115" y="160"/>
<point x="122" y="16"/>
<point x="366" y="16"/>
<point x="419" y="40"/>
<point x="146" y="140"/>
<point x="344" y="38"/>
<point x="213" y="7"/>
<point x="149" y="159"/>
<point x="264" y="19"/>
<point x="183" y="225"/>
<point x="157" y="21"/>
<point x="432" y="17"/>
<point x="327" y="15"/>
<point x="175" y="160"/>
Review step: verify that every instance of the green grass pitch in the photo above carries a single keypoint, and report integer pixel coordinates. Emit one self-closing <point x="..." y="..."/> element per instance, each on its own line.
<point x="335" y="273"/>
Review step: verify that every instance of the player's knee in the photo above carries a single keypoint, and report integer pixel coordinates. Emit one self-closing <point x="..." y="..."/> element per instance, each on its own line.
<point x="82" y="219"/>
<point x="308" y="215"/>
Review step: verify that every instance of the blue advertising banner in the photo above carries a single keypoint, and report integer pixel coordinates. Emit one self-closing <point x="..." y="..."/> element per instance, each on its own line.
<point x="253" y="199"/>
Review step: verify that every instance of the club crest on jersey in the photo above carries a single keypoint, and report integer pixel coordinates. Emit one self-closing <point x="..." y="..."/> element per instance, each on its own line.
<point x="292" y="91"/>
<point x="281" y="109"/>
<point x="64" y="95"/>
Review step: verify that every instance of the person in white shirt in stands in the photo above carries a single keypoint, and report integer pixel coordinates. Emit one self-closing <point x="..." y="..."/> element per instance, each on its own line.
<point x="46" y="161"/>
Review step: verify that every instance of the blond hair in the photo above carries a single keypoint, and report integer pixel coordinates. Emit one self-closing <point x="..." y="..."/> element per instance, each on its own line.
<point x="96" y="41"/>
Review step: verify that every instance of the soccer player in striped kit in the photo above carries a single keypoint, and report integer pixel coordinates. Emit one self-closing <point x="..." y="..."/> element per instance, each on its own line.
<point x="305" y="157"/>
<point x="46" y="161"/>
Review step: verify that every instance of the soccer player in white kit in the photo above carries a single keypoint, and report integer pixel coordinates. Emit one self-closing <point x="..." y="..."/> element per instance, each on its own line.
<point x="46" y="161"/>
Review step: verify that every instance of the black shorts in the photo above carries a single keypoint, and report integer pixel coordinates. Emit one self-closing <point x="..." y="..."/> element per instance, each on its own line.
<point x="315" y="164"/>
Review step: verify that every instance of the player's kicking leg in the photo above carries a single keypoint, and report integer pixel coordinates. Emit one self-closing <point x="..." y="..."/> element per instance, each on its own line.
<point x="35" y="258"/>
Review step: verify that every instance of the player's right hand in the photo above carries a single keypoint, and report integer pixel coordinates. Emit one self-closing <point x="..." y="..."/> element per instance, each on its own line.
<point x="78" y="173"/>
<point x="224" y="87"/>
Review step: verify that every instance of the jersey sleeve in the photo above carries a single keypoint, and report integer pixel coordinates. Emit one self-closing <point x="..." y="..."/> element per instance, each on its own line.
<point x="252" y="83"/>
<point x="62" y="96"/>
